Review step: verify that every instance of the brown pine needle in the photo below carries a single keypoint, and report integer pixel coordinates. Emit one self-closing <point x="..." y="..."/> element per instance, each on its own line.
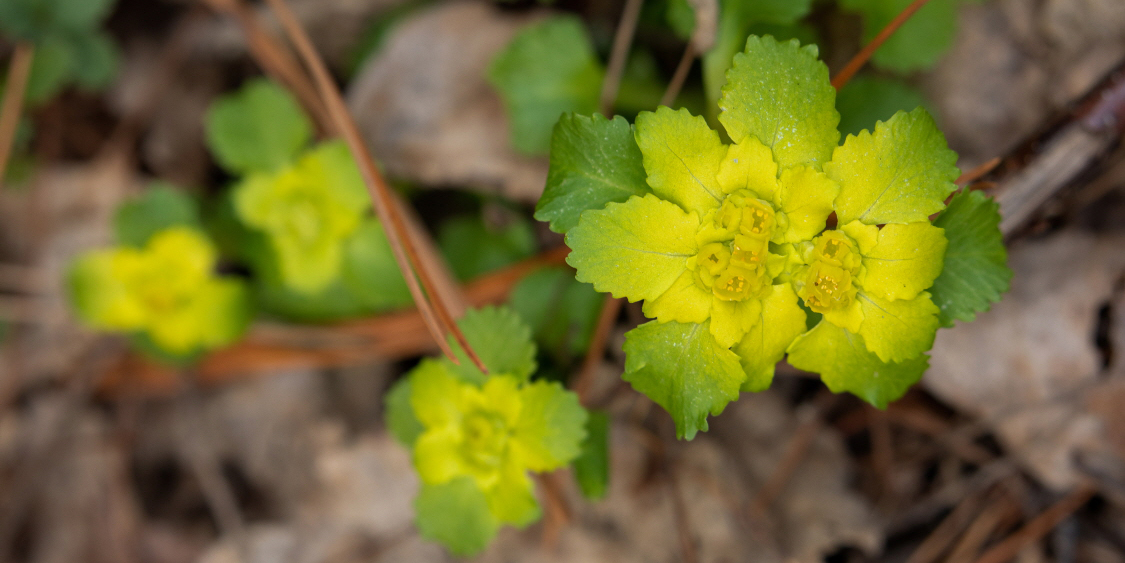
<point x="976" y="173"/>
<point x="401" y="244"/>
<point x="12" y="106"/>
<point x="864" y="54"/>
<point x="1046" y="521"/>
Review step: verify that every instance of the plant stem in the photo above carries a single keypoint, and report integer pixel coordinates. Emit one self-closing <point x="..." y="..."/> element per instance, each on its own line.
<point x="437" y="316"/>
<point x="864" y="54"/>
<point x="622" y="39"/>
<point x="12" y="106"/>
<point x="678" y="77"/>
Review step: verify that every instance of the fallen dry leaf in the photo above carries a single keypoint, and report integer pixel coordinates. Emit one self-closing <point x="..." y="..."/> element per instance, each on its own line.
<point x="1026" y="365"/>
<point x="428" y="112"/>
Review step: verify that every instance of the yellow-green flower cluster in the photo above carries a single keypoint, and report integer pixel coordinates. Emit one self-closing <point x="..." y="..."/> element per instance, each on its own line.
<point x="476" y="437"/>
<point x="732" y="250"/>
<point x="168" y="291"/>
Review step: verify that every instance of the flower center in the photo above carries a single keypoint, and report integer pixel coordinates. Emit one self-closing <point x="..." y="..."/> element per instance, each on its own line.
<point x="828" y="277"/>
<point x="486" y="439"/>
<point x="731" y="262"/>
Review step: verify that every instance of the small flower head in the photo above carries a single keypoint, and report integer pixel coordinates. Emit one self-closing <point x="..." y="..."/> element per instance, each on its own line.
<point x="307" y="210"/>
<point x="167" y="290"/>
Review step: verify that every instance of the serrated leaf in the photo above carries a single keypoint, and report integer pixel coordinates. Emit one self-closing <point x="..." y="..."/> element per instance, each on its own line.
<point x="919" y="43"/>
<point x="898" y="330"/>
<point x="160" y="207"/>
<point x="681" y="155"/>
<point x="502" y="341"/>
<point x="260" y="128"/>
<point x="594" y="161"/>
<point x="867" y="99"/>
<point x="591" y="468"/>
<point x="551" y="426"/>
<point x="456" y="515"/>
<point x="399" y="415"/>
<point x="976" y="271"/>
<point x="635" y="249"/>
<point x="682" y="368"/>
<point x="780" y="94"/>
<point x="473" y="248"/>
<point x="844" y="364"/>
<point x="900" y="174"/>
<point x="903" y="261"/>
<point x="781" y="320"/>
<point x="739" y="19"/>
<point x="547" y="70"/>
<point x="561" y="311"/>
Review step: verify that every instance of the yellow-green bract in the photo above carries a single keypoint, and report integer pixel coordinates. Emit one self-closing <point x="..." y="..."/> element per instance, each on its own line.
<point x="476" y="437"/>
<point x="727" y="244"/>
<point x="166" y="290"/>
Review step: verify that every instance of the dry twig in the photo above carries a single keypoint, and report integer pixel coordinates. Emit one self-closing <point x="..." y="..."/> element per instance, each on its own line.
<point x="1038" y="527"/>
<point x="12" y="105"/>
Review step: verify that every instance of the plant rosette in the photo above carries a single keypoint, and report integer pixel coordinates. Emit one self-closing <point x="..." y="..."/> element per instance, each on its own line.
<point x="476" y="437"/>
<point x="166" y="291"/>
<point x="307" y="210"/>
<point x="730" y="245"/>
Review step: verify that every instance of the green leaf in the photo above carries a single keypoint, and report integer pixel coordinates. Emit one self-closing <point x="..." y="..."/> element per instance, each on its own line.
<point x="96" y="60"/>
<point x="781" y="320"/>
<point x="399" y="415"/>
<point x="898" y="330"/>
<point x="904" y="260"/>
<point x="52" y="68"/>
<point x="919" y="43"/>
<point x="779" y="93"/>
<point x="867" y="99"/>
<point x="260" y="128"/>
<point x="976" y="271"/>
<point x="474" y="248"/>
<point x="900" y="174"/>
<point x="456" y="515"/>
<point x="36" y="19"/>
<point x="739" y="19"/>
<point x="845" y="364"/>
<point x="502" y="341"/>
<point x="681" y="368"/>
<point x="160" y="207"/>
<point x="547" y="70"/>
<point x="594" y="161"/>
<point x="591" y="468"/>
<point x="680" y="17"/>
<point x="370" y="270"/>
<point x="561" y="311"/>
<point x="778" y="12"/>
<point x="551" y="426"/>
<point x="682" y="156"/>
<point x="635" y="249"/>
